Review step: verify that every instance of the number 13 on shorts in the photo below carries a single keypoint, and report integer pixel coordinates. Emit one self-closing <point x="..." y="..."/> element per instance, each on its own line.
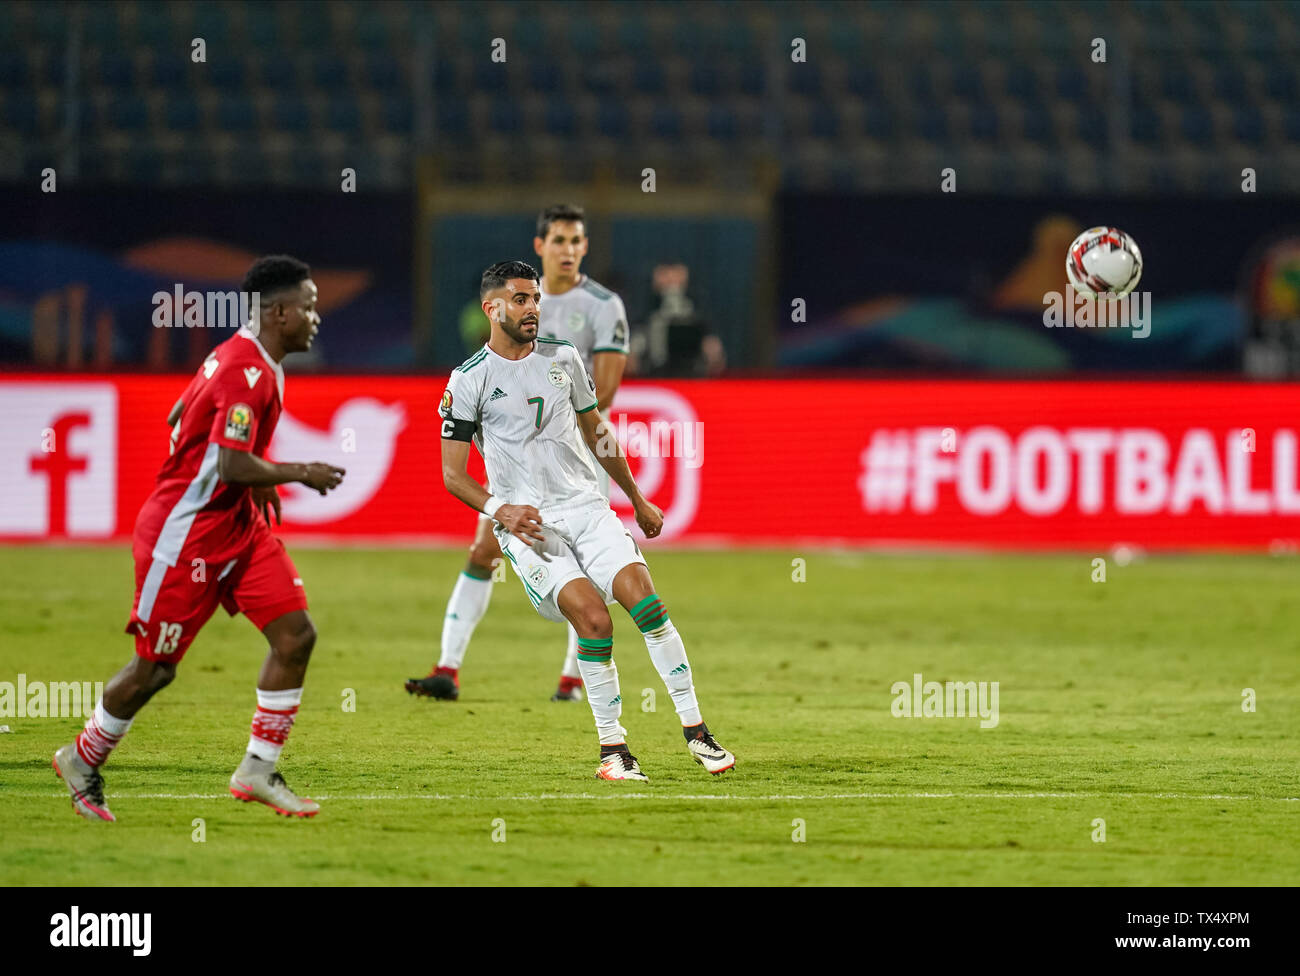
<point x="169" y="637"/>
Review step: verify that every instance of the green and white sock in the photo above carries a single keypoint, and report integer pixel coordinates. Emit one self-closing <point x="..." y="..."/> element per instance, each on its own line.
<point x="668" y="654"/>
<point x="570" y="669"/>
<point x="600" y="676"/>
<point x="469" y="601"/>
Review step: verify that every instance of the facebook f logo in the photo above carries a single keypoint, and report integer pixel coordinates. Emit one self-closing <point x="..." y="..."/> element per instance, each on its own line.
<point x="58" y="459"/>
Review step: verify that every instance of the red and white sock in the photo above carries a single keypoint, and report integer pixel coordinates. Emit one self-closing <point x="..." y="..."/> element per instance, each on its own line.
<point x="272" y="722"/>
<point x="101" y="734"/>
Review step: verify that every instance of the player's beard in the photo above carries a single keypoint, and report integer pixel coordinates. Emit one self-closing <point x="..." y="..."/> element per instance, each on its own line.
<point x="515" y="330"/>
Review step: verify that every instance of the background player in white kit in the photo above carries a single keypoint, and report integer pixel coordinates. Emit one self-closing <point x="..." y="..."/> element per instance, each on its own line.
<point x="529" y="405"/>
<point x="580" y="311"/>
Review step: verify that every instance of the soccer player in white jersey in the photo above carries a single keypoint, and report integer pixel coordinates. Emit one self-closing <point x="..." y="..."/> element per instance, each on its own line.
<point x="529" y="405"/>
<point x="577" y="310"/>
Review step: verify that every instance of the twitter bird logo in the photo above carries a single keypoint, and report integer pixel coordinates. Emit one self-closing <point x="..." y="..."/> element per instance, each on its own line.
<point x="362" y="438"/>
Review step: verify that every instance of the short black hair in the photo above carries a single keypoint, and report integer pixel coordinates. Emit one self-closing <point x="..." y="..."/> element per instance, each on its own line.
<point x="501" y="272"/>
<point x="561" y="211"/>
<point x="274" y="273"/>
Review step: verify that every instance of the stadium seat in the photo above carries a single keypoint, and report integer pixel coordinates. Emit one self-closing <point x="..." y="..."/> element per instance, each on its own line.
<point x="545" y="77"/>
<point x="1071" y="83"/>
<point x="452" y="118"/>
<point x="1291" y="127"/>
<point x="611" y="118"/>
<point x="342" y="115"/>
<point x="666" y="122"/>
<point x="721" y="123"/>
<point x="382" y="73"/>
<point x="280" y="74"/>
<point x="127" y="112"/>
<point x="1176" y="83"/>
<point x="648" y="79"/>
<point x="1197" y="126"/>
<point x="1145" y="125"/>
<point x="705" y="79"/>
<point x="227" y="73"/>
<point x="931" y="124"/>
<point x="1038" y="126"/>
<point x="560" y="118"/>
<point x="1230" y="84"/>
<point x="116" y="70"/>
<point x="182" y="113"/>
<point x="878" y="123"/>
<point x="328" y="72"/>
<point x="20" y="113"/>
<point x="1248" y="125"/>
<point x="290" y="113"/>
<point x="397" y="113"/>
<point x="805" y="79"/>
<point x="984" y="124"/>
<point x="967" y="82"/>
<point x="862" y="81"/>
<point x="1280" y="81"/>
<point x="235" y="113"/>
<point x="1094" y="126"/>
<point x="1021" y="82"/>
<point x="13" y="71"/>
<point x="167" y="69"/>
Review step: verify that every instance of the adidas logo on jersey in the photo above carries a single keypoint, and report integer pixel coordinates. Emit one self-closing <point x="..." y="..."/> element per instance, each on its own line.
<point x="497" y="394"/>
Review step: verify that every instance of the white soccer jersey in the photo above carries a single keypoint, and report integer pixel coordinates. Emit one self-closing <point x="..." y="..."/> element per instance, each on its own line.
<point x="523" y="414"/>
<point x="587" y="315"/>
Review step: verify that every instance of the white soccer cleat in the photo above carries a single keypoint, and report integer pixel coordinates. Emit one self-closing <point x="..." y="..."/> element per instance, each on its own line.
<point x="257" y="781"/>
<point x="620" y="765"/>
<point x="84" y="783"/>
<point x="705" y="751"/>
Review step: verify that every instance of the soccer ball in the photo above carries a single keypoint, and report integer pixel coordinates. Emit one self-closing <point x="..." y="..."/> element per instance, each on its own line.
<point x="1103" y="262"/>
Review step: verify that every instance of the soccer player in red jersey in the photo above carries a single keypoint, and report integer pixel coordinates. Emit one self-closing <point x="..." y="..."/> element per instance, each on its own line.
<point x="202" y="539"/>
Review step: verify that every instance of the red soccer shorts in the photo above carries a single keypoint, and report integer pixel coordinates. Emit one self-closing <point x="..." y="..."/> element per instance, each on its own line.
<point x="172" y="603"/>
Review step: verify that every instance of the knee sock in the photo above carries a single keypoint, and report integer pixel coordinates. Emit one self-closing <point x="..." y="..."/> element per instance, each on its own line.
<point x="600" y="675"/>
<point x="101" y="734"/>
<point x="272" y="721"/>
<point x="668" y="654"/>
<point x="570" y="669"/>
<point x="469" y="601"/>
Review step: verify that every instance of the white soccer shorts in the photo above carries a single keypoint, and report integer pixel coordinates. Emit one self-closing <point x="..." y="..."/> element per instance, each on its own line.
<point x="591" y="543"/>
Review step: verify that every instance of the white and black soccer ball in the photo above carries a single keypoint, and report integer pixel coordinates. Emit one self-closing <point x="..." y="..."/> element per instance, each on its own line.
<point x="1103" y="262"/>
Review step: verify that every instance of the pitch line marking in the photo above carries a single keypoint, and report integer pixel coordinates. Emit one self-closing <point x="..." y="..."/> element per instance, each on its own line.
<point x="768" y="798"/>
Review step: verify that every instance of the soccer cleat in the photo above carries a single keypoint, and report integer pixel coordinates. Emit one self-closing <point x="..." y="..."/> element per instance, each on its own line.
<point x="84" y="783"/>
<point x="258" y="781"/>
<point x="705" y="751"/>
<point x="441" y="683"/>
<point x="570" y="689"/>
<point x="620" y="764"/>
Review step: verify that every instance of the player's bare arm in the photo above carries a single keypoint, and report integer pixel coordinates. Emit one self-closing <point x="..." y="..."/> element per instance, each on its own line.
<point x="607" y="370"/>
<point x="245" y="468"/>
<point x="604" y="445"/>
<point x="175" y="414"/>
<point x="522" y="521"/>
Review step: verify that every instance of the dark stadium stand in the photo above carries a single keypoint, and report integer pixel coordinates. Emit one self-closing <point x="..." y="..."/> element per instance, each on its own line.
<point x="347" y="77"/>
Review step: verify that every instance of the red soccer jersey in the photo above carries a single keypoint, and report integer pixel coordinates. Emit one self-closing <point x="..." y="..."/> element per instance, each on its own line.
<point x="233" y="401"/>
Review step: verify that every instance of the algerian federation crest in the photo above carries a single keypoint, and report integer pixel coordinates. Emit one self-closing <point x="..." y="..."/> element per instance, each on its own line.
<point x="576" y="321"/>
<point x="557" y="376"/>
<point x="537" y="575"/>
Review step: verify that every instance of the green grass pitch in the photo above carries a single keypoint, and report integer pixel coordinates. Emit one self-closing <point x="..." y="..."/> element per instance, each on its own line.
<point x="1118" y="700"/>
